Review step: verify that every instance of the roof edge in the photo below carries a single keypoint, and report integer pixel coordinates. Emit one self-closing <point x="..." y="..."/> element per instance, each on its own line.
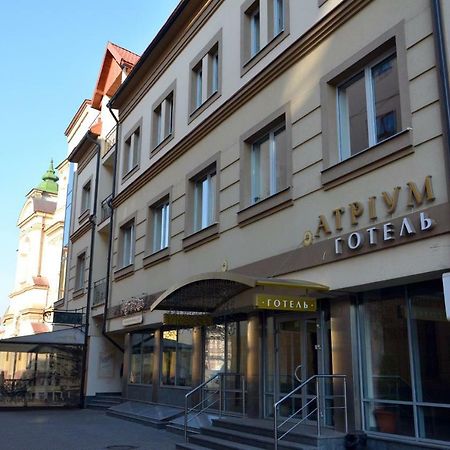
<point x="148" y="51"/>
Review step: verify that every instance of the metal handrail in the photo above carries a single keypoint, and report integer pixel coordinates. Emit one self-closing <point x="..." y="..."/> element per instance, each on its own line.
<point x="317" y="409"/>
<point x="200" y="406"/>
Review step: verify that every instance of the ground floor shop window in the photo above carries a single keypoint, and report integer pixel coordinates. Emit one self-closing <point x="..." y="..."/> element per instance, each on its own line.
<point x="406" y="361"/>
<point x="226" y="353"/>
<point x="177" y="357"/>
<point x="226" y="348"/>
<point x="141" y="363"/>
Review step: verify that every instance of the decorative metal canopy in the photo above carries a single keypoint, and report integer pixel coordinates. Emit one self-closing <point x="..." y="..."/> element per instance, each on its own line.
<point x="209" y="291"/>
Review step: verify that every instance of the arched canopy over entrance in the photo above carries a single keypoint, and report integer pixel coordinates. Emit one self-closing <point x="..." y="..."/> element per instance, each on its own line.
<point x="209" y="291"/>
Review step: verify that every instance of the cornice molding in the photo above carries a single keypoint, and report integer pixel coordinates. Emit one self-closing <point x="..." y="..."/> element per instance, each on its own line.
<point x="80" y="231"/>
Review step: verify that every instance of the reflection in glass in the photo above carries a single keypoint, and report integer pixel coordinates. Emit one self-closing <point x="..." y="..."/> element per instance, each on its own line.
<point x="141" y="358"/>
<point x="354" y="135"/>
<point x="214" y="350"/>
<point x="387" y="98"/>
<point x="390" y="418"/>
<point x="386" y="365"/>
<point x="46" y="375"/>
<point x="177" y="358"/>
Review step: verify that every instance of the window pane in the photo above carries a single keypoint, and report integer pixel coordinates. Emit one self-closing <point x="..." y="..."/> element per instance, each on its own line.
<point x="435" y="423"/>
<point x="254" y="33"/>
<point x="205" y="203"/>
<point x="160" y="227"/>
<point x="169" y="356"/>
<point x="353" y="117"/>
<point x="237" y="347"/>
<point x="387" y="98"/>
<point x="260" y="170"/>
<point x="214" y="350"/>
<point x="184" y="357"/>
<point x="389" y="418"/>
<point x="159" y="125"/>
<point x="280" y="160"/>
<point x="278" y="17"/>
<point x="135" y="363"/>
<point x="134" y="156"/>
<point x="168" y="119"/>
<point x="148" y="344"/>
<point x="211" y="198"/>
<point x="198" y="205"/>
<point x="128" y="245"/>
<point x="387" y="369"/>
<point x="198" y="86"/>
<point x="432" y="353"/>
<point x="215" y="72"/>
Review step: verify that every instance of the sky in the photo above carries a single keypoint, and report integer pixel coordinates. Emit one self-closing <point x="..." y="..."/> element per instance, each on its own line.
<point x="52" y="51"/>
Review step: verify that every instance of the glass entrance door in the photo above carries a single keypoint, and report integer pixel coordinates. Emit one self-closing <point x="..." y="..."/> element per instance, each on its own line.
<point x="293" y="343"/>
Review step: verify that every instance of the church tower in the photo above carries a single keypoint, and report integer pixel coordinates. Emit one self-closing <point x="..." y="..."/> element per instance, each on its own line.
<point x="40" y="224"/>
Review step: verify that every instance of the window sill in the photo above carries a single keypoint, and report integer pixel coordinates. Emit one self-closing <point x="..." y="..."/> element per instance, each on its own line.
<point x="124" y="272"/>
<point x="206" y="104"/>
<point x="255" y="59"/>
<point x="265" y="207"/>
<point x="201" y="237"/>
<point x="59" y="303"/>
<point x="383" y="153"/>
<point x="162" y="144"/>
<point x="130" y="173"/>
<point x="83" y="216"/>
<point x="78" y="293"/>
<point x="156" y="257"/>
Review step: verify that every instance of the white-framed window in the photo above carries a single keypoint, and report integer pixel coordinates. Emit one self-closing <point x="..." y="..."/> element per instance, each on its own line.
<point x="205" y="199"/>
<point x="255" y="30"/>
<point x="214" y="64"/>
<point x="205" y="74"/>
<point x="131" y="151"/>
<point x="161" y="225"/>
<point x="198" y="85"/>
<point x="278" y="16"/>
<point x="267" y="165"/>
<point x="163" y="118"/>
<point x="369" y="109"/>
<point x="127" y="242"/>
<point x="86" y="197"/>
<point x="80" y="271"/>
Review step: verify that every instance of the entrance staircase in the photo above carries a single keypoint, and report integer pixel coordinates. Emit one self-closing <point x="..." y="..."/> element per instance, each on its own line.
<point x="104" y="401"/>
<point x="254" y="434"/>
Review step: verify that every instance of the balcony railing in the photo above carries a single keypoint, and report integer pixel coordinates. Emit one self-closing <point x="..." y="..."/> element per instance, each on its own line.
<point x="99" y="292"/>
<point x="105" y="209"/>
<point x="110" y="141"/>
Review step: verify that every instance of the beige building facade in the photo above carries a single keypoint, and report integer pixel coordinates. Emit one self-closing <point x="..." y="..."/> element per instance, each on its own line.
<point x="281" y="214"/>
<point x="91" y="137"/>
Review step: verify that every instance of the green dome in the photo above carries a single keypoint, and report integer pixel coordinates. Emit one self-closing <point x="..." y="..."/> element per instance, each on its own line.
<point x="49" y="181"/>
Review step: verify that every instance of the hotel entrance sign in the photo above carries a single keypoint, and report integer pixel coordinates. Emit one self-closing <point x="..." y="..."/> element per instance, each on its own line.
<point x="285" y="303"/>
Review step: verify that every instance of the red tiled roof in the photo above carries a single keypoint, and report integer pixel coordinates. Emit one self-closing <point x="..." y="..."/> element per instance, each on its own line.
<point x="122" y="55"/>
<point x="40" y="328"/>
<point x="110" y="75"/>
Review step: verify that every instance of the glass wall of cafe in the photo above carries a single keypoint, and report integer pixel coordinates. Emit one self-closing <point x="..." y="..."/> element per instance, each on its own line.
<point x="39" y="375"/>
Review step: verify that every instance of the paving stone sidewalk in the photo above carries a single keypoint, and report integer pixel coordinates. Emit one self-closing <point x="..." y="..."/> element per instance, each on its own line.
<point x="78" y="430"/>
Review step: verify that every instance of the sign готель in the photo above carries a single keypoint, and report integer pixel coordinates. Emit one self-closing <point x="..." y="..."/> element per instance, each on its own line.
<point x="285" y="303"/>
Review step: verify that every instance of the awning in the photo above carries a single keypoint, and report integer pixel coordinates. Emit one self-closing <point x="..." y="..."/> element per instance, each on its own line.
<point x="68" y="336"/>
<point x="208" y="291"/>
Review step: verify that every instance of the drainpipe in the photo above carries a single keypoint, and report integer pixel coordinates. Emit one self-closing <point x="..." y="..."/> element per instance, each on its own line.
<point x="444" y="85"/>
<point x="92" y="220"/>
<point x="110" y="243"/>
